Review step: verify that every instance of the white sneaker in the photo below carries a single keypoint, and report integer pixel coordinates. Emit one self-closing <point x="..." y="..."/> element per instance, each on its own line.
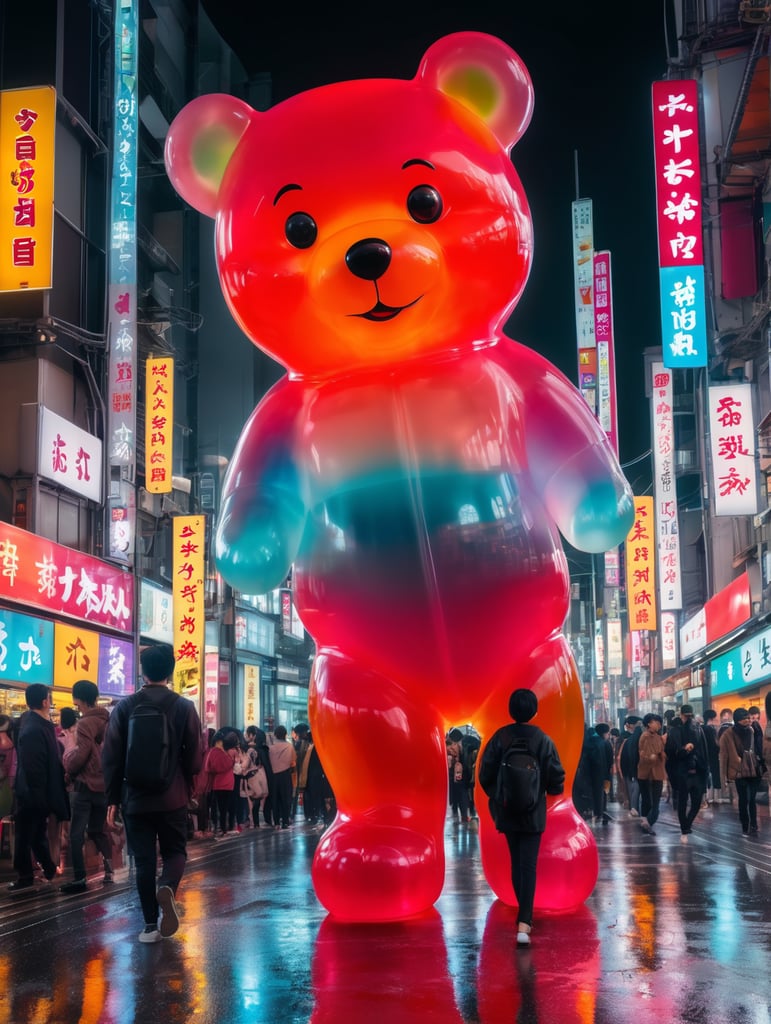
<point x="523" y="939"/>
<point x="169" y="916"/>
<point x="150" y="934"/>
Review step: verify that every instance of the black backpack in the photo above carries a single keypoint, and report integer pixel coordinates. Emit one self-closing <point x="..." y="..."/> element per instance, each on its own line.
<point x="151" y="753"/>
<point x="518" y="785"/>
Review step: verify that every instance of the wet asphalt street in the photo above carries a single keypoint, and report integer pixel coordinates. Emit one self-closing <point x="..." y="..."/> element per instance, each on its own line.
<point x="672" y="933"/>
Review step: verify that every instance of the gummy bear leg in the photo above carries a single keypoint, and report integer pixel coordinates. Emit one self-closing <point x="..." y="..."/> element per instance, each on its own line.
<point x="385" y="758"/>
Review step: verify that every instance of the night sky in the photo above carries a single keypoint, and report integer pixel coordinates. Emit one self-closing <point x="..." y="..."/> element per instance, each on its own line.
<point x="592" y="65"/>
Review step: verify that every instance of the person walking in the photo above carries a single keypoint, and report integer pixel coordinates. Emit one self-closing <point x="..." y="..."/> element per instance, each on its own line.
<point x="300" y="741"/>
<point x="523" y="830"/>
<point x="687" y="749"/>
<point x="591" y="774"/>
<point x="628" y="758"/>
<point x="603" y="730"/>
<point x="741" y="762"/>
<point x="39" y="787"/>
<point x="283" y="760"/>
<point x="651" y="771"/>
<point x="155" y="819"/>
<point x="713" y="750"/>
<point x="262" y="746"/>
<point x="83" y="765"/>
<point x="7" y="765"/>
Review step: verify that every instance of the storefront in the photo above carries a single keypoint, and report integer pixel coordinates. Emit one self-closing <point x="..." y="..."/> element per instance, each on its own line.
<point x="741" y="676"/>
<point x="64" y="616"/>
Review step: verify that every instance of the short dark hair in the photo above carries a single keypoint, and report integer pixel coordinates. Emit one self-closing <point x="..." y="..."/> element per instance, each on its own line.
<point x="86" y="691"/>
<point x="68" y="717"/>
<point x="754" y="710"/>
<point x="230" y="740"/>
<point x="523" y="705"/>
<point x="157" y="662"/>
<point x="709" y="714"/>
<point x="602" y="728"/>
<point x="280" y="732"/>
<point x="35" y="694"/>
<point x="454" y="735"/>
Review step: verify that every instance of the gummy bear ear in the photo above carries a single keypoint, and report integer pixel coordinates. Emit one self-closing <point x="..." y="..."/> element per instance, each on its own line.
<point x="485" y="75"/>
<point x="199" y="145"/>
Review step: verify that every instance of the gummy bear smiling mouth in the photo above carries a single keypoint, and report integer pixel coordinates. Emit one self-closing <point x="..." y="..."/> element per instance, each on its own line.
<point x="380" y="313"/>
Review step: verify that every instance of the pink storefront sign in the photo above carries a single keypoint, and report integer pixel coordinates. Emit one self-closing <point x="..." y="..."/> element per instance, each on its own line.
<point x="37" y="572"/>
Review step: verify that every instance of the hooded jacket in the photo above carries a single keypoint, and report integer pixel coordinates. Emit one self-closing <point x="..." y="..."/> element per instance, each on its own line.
<point x="83" y="762"/>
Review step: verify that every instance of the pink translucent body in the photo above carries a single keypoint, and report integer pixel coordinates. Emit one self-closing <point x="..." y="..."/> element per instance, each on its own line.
<point x="415" y="466"/>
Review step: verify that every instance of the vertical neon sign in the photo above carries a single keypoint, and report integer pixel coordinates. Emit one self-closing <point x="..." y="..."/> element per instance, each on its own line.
<point x="122" y="288"/>
<point x="678" y="210"/>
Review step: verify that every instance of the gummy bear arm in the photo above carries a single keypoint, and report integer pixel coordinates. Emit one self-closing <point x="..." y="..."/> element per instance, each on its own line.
<point x="571" y="461"/>
<point x="590" y="500"/>
<point x="262" y="514"/>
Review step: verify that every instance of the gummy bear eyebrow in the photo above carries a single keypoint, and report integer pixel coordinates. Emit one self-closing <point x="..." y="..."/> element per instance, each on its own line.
<point x="423" y="163"/>
<point x="286" y="188"/>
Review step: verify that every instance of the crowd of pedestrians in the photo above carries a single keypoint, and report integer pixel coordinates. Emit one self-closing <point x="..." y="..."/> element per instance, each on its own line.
<point x="65" y="786"/>
<point x="687" y="763"/>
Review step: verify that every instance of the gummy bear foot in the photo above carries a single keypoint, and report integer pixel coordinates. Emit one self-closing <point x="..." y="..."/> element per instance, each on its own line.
<point x="364" y="872"/>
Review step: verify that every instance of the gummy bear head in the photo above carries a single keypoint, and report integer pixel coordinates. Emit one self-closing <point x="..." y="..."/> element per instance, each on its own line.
<point x="366" y="223"/>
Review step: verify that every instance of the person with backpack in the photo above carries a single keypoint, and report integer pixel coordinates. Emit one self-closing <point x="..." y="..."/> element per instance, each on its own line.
<point x="83" y="766"/>
<point x="151" y="755"/>
<point x="687" y="751"/>
<point x="519" y="766"/>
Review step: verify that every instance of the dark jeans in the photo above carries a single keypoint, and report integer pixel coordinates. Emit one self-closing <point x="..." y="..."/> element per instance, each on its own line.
<point x="167" y="829"/>
<point x="746" y="792"/>
<point x="461" y="799"/>
<point x="650" y="794"/>
<point x="690" y="786"/>
<point x="523" y="849"/>
<point x="633" y="792"/>
<point x="222" y="800"/>
<point x="32" y="837"/>
<point x="281" y="797"/>
<point x="89" y="811"/>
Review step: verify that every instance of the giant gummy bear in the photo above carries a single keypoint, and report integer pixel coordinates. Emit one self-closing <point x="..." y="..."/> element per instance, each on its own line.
<point x="414" y="464"/>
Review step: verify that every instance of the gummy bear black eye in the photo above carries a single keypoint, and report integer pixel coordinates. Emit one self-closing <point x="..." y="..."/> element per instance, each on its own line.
<point x="300" y="230"/>
<point x="424" y="204"/>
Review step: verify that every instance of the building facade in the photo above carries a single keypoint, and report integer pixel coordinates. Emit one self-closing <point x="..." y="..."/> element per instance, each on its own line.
<point x="104" y="273"/>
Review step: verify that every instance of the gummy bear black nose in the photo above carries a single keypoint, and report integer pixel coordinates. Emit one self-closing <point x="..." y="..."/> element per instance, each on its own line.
<point x="369" y="258"/>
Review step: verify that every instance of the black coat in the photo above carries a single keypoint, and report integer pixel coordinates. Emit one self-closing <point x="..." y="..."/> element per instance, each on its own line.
<point x="552" y="774"/>
<point x="40" y="786"/>
<point x="713" y="753"/>
<point x="685" y="761"/>
<point x="630" y="754"/>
